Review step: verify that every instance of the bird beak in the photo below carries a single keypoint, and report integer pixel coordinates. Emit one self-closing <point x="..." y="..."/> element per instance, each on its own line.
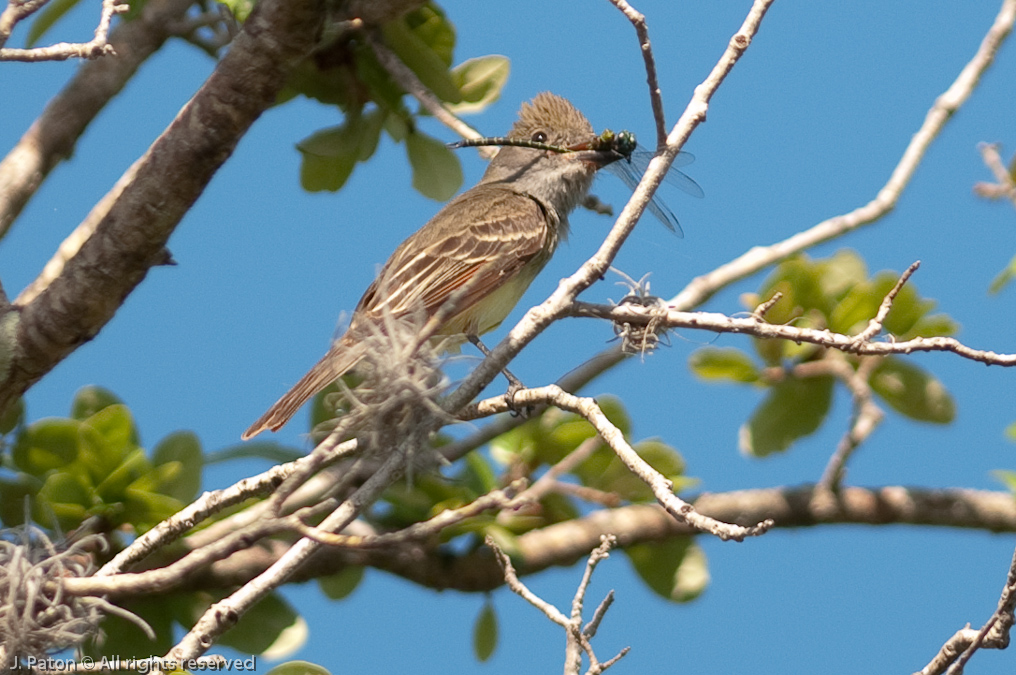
<point x="597" y="156"/>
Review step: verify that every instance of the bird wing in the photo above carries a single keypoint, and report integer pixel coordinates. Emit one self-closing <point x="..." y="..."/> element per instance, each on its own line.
<point x="479" y="242"/>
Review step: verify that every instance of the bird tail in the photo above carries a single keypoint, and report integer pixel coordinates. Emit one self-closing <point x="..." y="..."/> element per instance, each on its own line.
<point x="343" y="355"/>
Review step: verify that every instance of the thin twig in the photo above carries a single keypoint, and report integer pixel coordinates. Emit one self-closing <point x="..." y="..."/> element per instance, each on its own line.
<point x="638" y="20"/>
<point x="558" y="304"/>
<point x="763" y="308"/>
<point x="958" y="649"/>
<point x="512" y="579"/>
<point x="577" y="637"/>
<point x="205" y="506"/>
<point x="217" y="619"/>
<point x="875" y="325"/>
<point x="93" y="49"/>
<point x="662" y="488"/>
<point x="721" y="323"/>
<point x="408" y="80"/>
<point x="866" y="418"/>
<point x="497" y="499"/>
<point x="702" y="288"/>
<point x="1005" y="186"/>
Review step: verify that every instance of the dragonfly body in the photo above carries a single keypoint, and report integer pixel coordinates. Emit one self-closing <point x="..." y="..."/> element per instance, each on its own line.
<point x="635" y="160"/>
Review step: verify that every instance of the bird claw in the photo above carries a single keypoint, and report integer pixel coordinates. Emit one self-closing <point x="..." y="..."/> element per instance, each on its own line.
<point x="514" y="387"/>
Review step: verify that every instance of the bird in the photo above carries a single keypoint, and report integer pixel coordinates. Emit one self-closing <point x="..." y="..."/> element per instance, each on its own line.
<point x="487" y="245"/>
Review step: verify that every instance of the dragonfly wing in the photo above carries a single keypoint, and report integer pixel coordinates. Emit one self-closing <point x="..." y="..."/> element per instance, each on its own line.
<point x="663" y="214"/>
<point x="640" y="162"/>
<point x="630" y="176"/>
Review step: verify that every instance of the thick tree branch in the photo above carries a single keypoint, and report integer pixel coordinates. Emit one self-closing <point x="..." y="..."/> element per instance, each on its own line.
<point x="52" y="137"/>
<point x="126" y="233"/>
<point x="569" y="541"/>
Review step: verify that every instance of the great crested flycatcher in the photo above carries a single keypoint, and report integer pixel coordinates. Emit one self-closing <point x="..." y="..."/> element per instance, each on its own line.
<point x="491" y="242"/>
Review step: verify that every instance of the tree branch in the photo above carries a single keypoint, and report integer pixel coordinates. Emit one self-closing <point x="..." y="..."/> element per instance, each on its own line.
<point x="702" y="288"/>
<point x="126" y="233"/>
<point x="577" y="638"/>
<point x="556" y="306"/>
<point x="52" y="137"/>
<point x="994" y="634"/>
<point x="721" y="323"/>
<point x="93" y="49"/>
<point x="638" y="20"/>
<point x="564" y="543"/>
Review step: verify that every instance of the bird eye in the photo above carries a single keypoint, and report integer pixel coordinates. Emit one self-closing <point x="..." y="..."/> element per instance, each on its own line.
<point x="539" y="137"/>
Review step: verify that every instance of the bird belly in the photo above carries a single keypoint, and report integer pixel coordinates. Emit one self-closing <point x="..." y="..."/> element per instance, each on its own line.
<point x="488" y="313"/>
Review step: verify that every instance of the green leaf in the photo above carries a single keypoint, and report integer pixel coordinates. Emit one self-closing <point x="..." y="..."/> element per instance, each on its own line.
<point x="12" y="498"/>
<point x="145" y="509"/>
<point x="479" y="474"/>
<point x="934" y="326"/>
<point x="604" y="471"/>
<point x="298" y="668"/>
<point x="436" y="170"/>
<point x="792" y="409"/>
<point x="273" y="451"/>
<point x="1006" y="477"/>
<point x="480" y="80"/>
<point x="675" y="569"/>
<point x="65" y="496"/>
<point x="841" y="272"/>
<point x="1003" y="278"/>
<point x="557" y="508"/>
<point x="125" y="639"/>
<point x="485" y="632"/>
<point x="799" y="280"/>
<point x="727" y="363"/>
<point x="370" y="133"/>
<point x="339" y="586"/>
<point x="181" y="447"/>
<point x="328" y="85"/>
<point x="240" y="9"/>
<point x="270" y="628"/>
<point x="505" y="540"/>
<point x="908" y="306"/>
<point x="13" y="417"/>
<point x="382" y="89"/>
<point x="422" y="59"/>
<point x="45" y="445"/>
<point x="329" y="157"/>
<point x="1010" y="432"/>
<point x="397" y="127"/>
<point x="432" y="26"/>
<point x="115" y="426"/>
<point x="852" y="314"/>
<point x="50" y="14"/>
<point x="90" y="400"/>
<point x="912" y="392"/>
<point x="113" y="487"/>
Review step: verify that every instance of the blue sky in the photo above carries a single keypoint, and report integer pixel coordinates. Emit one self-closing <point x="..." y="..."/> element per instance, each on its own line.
<point x="809" y="125"/>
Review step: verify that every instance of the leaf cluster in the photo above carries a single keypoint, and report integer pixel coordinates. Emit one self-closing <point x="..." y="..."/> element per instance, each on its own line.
<point x="836" y="294"/>
<point x="345" y="72"/>
<point x="91" y="465"/>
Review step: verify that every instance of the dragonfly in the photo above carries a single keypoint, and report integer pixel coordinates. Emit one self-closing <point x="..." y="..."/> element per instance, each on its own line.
<point x="633" y="161"/>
